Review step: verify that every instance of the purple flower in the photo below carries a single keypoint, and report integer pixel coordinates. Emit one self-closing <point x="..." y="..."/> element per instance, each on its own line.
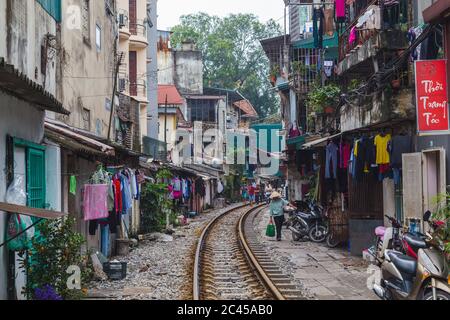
<point x="47" y="293"/>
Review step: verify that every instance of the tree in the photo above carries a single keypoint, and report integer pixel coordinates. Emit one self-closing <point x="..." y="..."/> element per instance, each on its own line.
<point x="232" y="54"/>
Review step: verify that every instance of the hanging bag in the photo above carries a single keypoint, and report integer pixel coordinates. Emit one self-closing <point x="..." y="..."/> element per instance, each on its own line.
<point x="270" y="231"/>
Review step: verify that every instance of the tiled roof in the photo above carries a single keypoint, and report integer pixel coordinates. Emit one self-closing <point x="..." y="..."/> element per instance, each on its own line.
<point x="172" y="94"/>
<point x="246" y="107"/>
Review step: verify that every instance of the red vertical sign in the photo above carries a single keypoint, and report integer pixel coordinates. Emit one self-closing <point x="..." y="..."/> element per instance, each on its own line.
<point x="432" y="97"/>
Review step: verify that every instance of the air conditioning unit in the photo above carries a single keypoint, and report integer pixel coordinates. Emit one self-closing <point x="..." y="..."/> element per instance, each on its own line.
<point x="122" y="20"/>
<point x="122" y="85"/>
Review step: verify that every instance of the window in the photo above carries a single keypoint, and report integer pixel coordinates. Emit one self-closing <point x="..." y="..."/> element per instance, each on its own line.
<point x="202" y="110"/>
<point x="32" y="157"/>
<point x="86" y="22"/>
<point x="86" y="119"/>
<point x="98" y="38"/>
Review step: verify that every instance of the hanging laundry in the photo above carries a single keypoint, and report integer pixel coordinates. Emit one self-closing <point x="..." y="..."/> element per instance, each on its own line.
<point x="126" y="194"/>
<point x="328" y="21"/>
<point x="397" y="147"/>
<point x="352" y="36"/>
<point x="344" y="155"/>
<point x="318" y="18"/>
<point x="117" y="194"/>
<point x="340" y="10"/>
<point x="94" y="201"/>
<point x="331" y="160"/>
<point x="73" y="185"/>
<point x="177" y="192"/>
<point x="381" y="143"/>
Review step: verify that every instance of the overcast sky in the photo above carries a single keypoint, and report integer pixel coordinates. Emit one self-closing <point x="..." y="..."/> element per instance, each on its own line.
<point x="169" y="11"/>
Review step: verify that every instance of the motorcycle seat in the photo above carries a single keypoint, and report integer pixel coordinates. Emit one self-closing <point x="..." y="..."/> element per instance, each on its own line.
<point x="414" y="241"/>
<point x="403" y="262"/>
<point x="304" y="215"/>
<point x="380" y="231"/>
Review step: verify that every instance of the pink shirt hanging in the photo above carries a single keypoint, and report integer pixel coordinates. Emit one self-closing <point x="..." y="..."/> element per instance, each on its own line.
<point x="95" y="203"/>
<point x="352" y="37"/>
<point x="340" y="8"/>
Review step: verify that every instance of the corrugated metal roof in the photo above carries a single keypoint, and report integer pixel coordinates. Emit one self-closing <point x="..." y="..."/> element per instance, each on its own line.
<point x="19" y="85"/>
<point x="246" y="107"/>
<point x="172" y="94"/>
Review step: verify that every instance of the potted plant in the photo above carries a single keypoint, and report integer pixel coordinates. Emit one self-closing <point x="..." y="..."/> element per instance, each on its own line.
<point x="395" y="83"/>
<point x="274" y="72"/>
<point x="322" y="98"/>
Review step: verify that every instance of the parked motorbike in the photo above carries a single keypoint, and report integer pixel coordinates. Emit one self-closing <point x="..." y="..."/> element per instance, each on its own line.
<point x="387" y="238"/>
<point x="405" y="278"/>
<point x="308" y="224"/>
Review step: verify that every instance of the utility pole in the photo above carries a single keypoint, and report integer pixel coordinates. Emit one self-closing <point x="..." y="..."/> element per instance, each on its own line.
<point x="165" y="127"/>
<point x="116" y="72"/>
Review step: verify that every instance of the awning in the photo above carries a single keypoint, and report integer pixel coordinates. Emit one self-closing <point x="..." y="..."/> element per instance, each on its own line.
<point x="437" y="12"/>
<point x="321" y="142"/>
<point x="32" y="212"/>
<point x="76" y="142"/>
<point x="19" y="85"/>
<point x="296" y="141"/>
<point x="328" y="41"/>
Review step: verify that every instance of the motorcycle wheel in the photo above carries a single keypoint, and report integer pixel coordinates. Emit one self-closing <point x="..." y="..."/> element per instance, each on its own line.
<point x="332" y="241"/>
<point x="318" y="234"/>
<point x="441" y="295"/>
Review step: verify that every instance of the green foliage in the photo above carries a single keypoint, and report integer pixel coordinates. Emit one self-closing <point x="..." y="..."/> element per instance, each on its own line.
<point x="155" y="204"/>
<point x="56" y="248"/>
<point x="443" y="213"/>
<point x="232" y="54"/>
<point x="322" y="96"/>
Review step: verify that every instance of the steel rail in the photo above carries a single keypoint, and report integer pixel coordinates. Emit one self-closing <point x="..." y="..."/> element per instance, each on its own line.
<point x="200" y="245"/>
<point x="254" y="261"/>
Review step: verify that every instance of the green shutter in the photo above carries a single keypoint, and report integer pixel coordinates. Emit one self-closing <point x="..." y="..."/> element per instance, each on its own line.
<point x="53" y="7"/>
<point x="36" y="178"/>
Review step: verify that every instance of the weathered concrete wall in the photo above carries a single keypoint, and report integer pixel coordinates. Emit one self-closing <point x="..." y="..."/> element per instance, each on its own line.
<point x="379" y="108"/>
<point x="189" y="72"/>
<point x="165" y="67"/>
<point x="86" y="76"/>
<point x="24" y="26"/>
<point x="26" y="122"/>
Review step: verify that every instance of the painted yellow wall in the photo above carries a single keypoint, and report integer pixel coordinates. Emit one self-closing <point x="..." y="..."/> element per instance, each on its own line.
<point x="171" y="129"/>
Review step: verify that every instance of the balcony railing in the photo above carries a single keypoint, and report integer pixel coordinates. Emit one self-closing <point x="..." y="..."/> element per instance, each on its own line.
<point x="353" y="37"/>
<point x="154" y="148"/>
<point x="138" y="88"/>
<point x="138" y="28"/>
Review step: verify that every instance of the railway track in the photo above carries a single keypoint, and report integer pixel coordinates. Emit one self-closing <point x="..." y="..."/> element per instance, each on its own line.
<point x="230" y="263"/>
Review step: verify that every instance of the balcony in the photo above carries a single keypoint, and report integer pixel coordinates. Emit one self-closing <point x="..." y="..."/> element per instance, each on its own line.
<point x="138" y="38"/>
<point x="367" y="35"/>
<point x="124" y="25"/>
<point x="138" y="89"/>
<point x="154" y="148"/>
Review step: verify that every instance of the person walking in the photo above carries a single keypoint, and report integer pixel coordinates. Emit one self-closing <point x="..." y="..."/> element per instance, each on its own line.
<point x="251" y="193"/>
<point x="277" y="204"/>
<point x="268" y="191"/>
<point x="244" y="193"/>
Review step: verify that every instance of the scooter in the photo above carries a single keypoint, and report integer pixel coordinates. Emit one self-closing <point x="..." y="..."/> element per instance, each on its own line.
<point x="387" y="238"/>
<point x="404" y="278"/>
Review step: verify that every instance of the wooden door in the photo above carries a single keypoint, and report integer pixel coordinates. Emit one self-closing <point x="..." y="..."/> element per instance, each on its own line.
<point x="412" y="185"/>
<point x="133" y="72"/>
<point x="133" y="17"/>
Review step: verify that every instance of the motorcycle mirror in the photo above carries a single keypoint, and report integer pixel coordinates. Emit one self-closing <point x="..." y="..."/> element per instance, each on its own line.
<point x="426" y="216"/>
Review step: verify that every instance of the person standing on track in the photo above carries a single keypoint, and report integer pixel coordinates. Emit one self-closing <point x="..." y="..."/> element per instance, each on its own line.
<point x="277" y="204"/>
<point x="251" y="193"/>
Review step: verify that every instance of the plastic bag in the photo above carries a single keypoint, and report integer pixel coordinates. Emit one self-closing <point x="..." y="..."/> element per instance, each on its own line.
<point x="18" y="223"/>
<point x="270" y="230"/>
